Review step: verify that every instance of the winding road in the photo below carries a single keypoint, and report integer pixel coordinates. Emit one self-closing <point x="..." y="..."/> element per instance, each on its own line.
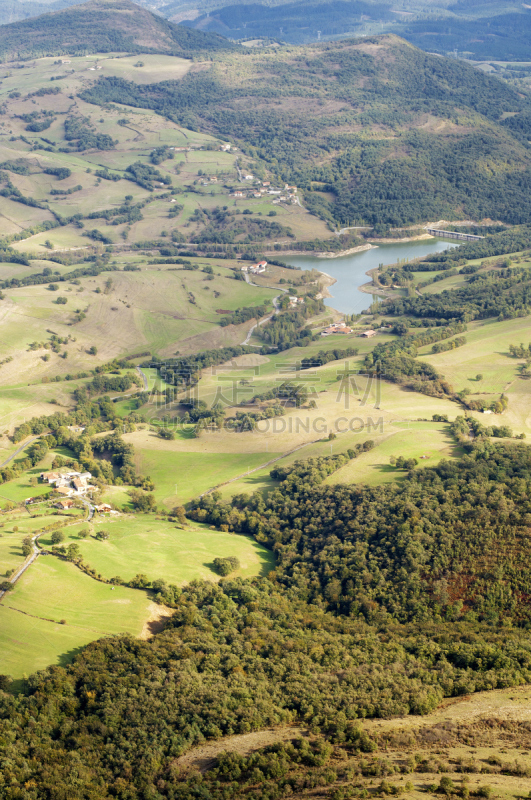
<point x="265" y="319"/>
<point x="38" y="552"/>
<point x="20" y="449"/>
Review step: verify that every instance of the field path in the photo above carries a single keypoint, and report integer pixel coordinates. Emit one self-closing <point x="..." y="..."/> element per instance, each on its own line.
<point x="262" y="466"/>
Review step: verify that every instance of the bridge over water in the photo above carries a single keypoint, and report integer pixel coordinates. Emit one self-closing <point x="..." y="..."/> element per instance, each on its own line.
<point x="465" y="237"/>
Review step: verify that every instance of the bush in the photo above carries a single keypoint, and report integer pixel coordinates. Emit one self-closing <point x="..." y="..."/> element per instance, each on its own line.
<point x="224" y="566"/>
<point x="166" y="433"/>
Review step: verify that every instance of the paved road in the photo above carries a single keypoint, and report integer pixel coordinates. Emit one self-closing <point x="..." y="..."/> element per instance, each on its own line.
<point x="144" y="378"/>
<point x="20" y="449"/>
<point x="37" y="552"/>
<point x="89" y="506"/>
<point x="265" y="319"/>
<point x="27" y="564"/>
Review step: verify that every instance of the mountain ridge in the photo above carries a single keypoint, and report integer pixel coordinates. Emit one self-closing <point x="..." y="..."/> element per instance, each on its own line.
<point x="374" y="130"/>
<point x="103" y="26"/>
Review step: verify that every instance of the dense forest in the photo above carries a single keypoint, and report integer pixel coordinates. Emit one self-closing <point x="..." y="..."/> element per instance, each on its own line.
<point x="504" y="294"/>
<point x="404" y="551"/>
<point x="398" y="591"/>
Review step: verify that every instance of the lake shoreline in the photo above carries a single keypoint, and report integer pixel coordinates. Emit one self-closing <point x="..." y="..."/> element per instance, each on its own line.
<point x="325" y="254"/>
<point x="325" y="286"/>
<point x="350" y="276"/>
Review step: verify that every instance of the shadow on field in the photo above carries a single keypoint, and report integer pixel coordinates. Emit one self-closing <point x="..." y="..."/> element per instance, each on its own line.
<point x="66" y="658"/>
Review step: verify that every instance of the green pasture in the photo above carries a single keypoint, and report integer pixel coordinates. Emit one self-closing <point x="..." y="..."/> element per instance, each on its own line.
<point x="20" y="489"/>
<point x="162" y="549"/>
<point x="11" y="541"/>
<point x="179" y="476"/>
<point x="154" y="68"/>
<point x="487" y="354"/>
<point x="29" y="644"/>
<point x="265" y="373"/>
<point x="11" y="555"/>
<point x="452" y="282"/>
<point x="408" y="439"/>
<point x="411" y="440"/>
<point x="53" y="590"/>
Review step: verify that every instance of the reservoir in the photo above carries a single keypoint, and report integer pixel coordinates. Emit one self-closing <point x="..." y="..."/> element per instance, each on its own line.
<point x="350" y="271"/>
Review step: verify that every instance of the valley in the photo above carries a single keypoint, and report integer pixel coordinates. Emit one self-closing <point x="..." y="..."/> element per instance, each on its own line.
<point x="262" y="534"/>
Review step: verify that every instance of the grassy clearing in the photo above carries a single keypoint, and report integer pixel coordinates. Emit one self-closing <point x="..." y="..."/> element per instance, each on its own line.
<point x="54" y="590"/>
<point x="161" y="549"/>
<point x="29" y="644"/>
<point x="153" y="68"/>
<point x="411" y="440"/>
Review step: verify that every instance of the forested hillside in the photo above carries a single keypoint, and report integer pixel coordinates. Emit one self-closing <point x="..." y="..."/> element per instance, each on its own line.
<point x="103" y="26"/>
<point x="375" y="130"/>
<point x="319" y="644"/>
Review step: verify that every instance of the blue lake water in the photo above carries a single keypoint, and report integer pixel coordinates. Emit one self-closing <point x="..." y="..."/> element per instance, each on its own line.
<point x="350" y="271"/>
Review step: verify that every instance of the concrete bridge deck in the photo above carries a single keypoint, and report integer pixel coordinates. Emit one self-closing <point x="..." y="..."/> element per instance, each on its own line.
<point x="465" y="237"/>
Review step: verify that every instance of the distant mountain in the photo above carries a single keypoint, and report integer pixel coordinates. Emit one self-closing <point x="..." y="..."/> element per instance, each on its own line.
<point x="103" y="26"/>
<point x="15" y="10"/>
<point x="295" y="22"/>
<point x="505" y="37"/>
<point x="481" y="28"/>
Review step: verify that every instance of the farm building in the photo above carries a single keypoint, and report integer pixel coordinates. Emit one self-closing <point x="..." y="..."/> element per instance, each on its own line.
<point x="64" y="504"/>
<point x="336" y="327"/>
<point x="367" y="334"/>
<point x="64" y="490"/>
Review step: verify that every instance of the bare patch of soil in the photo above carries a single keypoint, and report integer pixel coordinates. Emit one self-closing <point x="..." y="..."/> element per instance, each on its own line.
<point x="204" y="757"/>
<point x="155" y="622"/>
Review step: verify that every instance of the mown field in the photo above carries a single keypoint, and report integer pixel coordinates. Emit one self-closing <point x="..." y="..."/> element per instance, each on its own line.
<point x="55" y="609"/>
<point x="161" y="549"/>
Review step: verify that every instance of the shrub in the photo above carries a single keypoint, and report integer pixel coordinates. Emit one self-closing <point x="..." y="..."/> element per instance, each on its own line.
<point x="224" y="566"/>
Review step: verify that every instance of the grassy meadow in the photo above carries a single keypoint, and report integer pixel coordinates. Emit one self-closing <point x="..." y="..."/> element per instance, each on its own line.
<point x="162" y="549"/>
<point x="55" y="609"/>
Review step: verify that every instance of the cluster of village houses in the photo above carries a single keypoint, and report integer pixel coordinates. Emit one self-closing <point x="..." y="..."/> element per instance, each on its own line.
<point x="255" y="269"/>
<point x="342" y="327"/>
<point x="286" y="195"/>
<point x="70" y="485"/>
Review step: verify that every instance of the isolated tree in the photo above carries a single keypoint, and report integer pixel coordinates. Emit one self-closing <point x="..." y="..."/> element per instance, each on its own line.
<point x="180" y="513"/>
<point x="142" y="501"/>
<point x="224" y="566"/>
<point x="57" y="537"/>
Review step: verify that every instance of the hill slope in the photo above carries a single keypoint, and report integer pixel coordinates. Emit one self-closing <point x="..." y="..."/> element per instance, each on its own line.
<point x="103" y="26"/>
<point x="379" y="131"/>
